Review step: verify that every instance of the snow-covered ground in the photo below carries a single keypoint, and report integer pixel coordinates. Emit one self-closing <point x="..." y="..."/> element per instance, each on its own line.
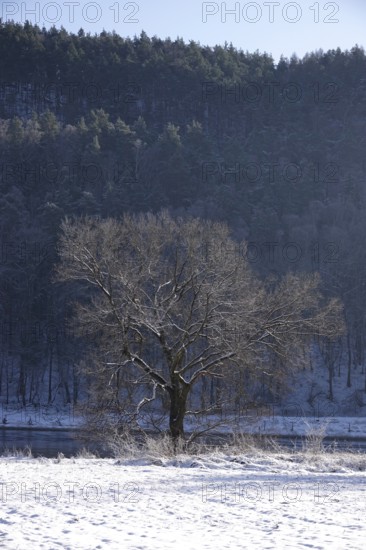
<point x="291" y="422"/>
<point x="39" y="417"/>
<point x="252" y="501"/>
<point x="342" y="426"/>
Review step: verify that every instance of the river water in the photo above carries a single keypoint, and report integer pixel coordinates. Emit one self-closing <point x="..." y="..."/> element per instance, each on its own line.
<point x="45" y="442"/>
<point x="50" y="442"/>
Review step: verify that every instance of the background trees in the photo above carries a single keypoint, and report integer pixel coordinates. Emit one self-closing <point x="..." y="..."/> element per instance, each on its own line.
<point x="173" y="286"/>
<point x="104" y="125"/>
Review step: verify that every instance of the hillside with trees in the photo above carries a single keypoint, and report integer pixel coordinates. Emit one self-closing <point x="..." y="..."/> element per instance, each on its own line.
<point x="104" y="126"/>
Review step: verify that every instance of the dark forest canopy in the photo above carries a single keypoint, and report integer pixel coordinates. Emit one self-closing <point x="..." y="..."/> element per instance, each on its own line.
<point x="104" y="125"/>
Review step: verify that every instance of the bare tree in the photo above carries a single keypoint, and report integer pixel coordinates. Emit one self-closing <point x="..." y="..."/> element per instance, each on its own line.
<point x="184" y="290"/>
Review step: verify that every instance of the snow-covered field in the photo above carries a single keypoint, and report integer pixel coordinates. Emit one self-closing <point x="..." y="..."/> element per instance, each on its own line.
<point x="253" y="500"/>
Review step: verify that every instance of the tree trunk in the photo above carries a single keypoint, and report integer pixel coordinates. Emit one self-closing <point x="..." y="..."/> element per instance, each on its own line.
<point x="50" y="376"/>
<point x="1" y="374"/>
<point x="178" y="402"/>
<point x="22" y="383"/>
<point x="67" y="391"/>
<point x="349" y="361"/>
<point x="330" y="379"/>
<point x="330" y="366"/>
<point x="7" y="383"/>
<point x="75" y="393"/>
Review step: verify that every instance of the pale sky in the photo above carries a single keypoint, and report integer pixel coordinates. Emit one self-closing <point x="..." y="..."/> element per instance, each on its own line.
<point x="276" y="27"/>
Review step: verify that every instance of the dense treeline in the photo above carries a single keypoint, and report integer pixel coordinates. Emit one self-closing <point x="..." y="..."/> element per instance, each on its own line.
<point x="103" y="125"/>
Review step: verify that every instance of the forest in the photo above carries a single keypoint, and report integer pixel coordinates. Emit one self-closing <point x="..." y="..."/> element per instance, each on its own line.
<point x="104" y="126"/>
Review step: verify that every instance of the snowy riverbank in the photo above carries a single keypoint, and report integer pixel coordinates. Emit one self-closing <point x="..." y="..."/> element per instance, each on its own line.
<point x="294" y="424"/>
<point x="250" y="501"/>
